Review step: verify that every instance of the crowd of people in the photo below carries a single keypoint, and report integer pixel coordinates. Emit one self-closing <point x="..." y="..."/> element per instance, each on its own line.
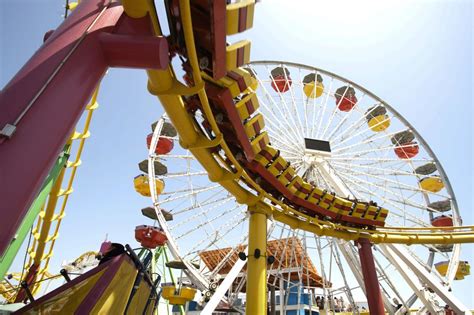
<point x="336" y="304"/>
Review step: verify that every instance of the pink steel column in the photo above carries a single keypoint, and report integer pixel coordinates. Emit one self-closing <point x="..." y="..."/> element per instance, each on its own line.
<point x="371" y="282"/>
<point x="46" y="98"/>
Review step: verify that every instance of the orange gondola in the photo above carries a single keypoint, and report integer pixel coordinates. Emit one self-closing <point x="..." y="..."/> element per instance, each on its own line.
<point x="407" y="150"/>
<point x="442" y="221"/>
<point x="345" y="98"/>
<point x="164" y="146"/>
<point x="281" y="80"/>
<point x="150" y="236"/>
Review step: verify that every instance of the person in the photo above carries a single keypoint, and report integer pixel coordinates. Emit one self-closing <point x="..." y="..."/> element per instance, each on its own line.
<point x="448" y="310"/>
<point x="341" y="304"/>
<point x="336" y="305"/>
<point x="318" y="302"/>
<point x="397" y="304"/>
<point x="349" y="308"/>
<point x="323" y="303"/>
<point x="110" y="251"/>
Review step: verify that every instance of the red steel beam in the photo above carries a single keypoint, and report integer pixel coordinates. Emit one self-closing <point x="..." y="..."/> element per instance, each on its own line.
<point x="371" y="282"/>
<point x="46" y="98"/>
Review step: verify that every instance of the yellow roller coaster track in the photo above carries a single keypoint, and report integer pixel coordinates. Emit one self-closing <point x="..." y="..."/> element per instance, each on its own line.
<point x="170" y="91"/>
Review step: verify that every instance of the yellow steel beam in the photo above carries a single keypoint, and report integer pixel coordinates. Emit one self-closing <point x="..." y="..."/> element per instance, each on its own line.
<point x="256" y="289"/>
<point x="164" y="84"/>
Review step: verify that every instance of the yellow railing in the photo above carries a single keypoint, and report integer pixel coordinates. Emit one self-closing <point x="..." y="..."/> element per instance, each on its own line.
<point x="39" y="251"/>
<point x="165" y="85"/>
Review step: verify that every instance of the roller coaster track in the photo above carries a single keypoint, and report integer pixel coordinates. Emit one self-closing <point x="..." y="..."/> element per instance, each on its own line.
<point x="170" y="93"/>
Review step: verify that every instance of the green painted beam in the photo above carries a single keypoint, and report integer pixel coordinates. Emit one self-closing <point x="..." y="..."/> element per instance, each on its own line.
<point x="7" y="259"/>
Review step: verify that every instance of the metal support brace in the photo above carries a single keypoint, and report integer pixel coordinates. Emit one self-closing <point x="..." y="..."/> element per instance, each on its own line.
<point x="224" y="286"/>
<point x="354" y="264"/>
<point x="257" y="266"/>
<point x="429" y="279"/>
<point x="413" y="282"/>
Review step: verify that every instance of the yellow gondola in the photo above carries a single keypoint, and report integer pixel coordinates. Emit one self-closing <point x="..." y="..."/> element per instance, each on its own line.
<point x="142" y="186"/>
<point x="379" y="123"/>
<point x="432" y="184"/>
<point x="464" y="269"/>
<point x="177" y="296"/>
<point x="377" y="118"/>
<point x="313" y="85"/>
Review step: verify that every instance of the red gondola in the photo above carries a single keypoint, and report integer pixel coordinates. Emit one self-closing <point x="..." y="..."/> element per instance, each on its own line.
<point x="442" y="221"/>
<point x="281" y="80"/>
<point x="407" y="150"/>
<point x="164" y="146"/>
<point x="150" y="236"/>
<point x="345" y="98"/>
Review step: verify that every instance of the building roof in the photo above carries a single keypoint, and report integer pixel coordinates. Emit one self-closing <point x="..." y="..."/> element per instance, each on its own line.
<point x="291" y="261"/>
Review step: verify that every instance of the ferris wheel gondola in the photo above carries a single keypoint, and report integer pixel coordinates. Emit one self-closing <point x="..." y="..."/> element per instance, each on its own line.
<point x="339" y="137"/>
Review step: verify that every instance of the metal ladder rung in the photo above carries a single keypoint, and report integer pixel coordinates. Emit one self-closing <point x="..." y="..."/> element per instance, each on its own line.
<point x="92" y="106"/>
<point x="78" y="135"/>
<point x="64" y="192"/>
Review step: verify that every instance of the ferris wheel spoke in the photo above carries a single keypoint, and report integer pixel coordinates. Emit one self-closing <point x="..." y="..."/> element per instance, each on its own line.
<point x="345" y="118"/>
<point x="314" y="108"/>
<point x="283" y="116"/>
<point x="282" y="257"/>
<point x="284" y="103"/>
<point x="290" y="147"/>
<point x="356" y="132"/>
<point x="204" y="203"/>
<point x="216" y="236"/>
<point x="348" y="290"/>
<point x="384" y="187"/>
<point x="370" y="139"/>
<point x="290" y="155"/>
<point x="320" y="114"/>
<point x="295" y="110"/>
<point x="184" y="174"/>
<point x="276" y="127"/>
<point x="384" y="171"/>
<point x="229" y="256"/>
<point x="400" y="185"/>
<point x="209" y="221"/>
<point x="405" y="215"/>
<point x="323" y="271"/>
<point x="280" y="118"/>
<point x="305" y="106"/>
<point x="186" y="190"/>
<point x="356" y="125"/>
<point x="388" y="279"/>
<point x="365" y="152"/>
<point x="173" y="157"/>
<point x="204" y="211"/>
<point x="375" y="159"/>
<point x="188" y="195"/>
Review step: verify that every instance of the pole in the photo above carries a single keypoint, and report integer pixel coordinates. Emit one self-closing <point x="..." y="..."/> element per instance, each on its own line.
<point x="372" y="287"/>
<point x="257" y="264"/>
<point x="272" y="300"/>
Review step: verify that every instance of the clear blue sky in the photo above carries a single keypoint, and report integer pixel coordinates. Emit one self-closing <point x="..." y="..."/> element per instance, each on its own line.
<point x="416" y="55"/>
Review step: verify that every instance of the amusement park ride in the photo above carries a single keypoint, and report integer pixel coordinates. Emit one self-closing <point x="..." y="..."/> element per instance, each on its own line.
<point x="288" y="181"/>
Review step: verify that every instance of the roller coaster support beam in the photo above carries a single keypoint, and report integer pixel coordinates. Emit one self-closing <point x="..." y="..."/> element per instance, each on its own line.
<point x="372" y="287"/>
<point x="257" y="263"/>
<point x="41" y="105"/>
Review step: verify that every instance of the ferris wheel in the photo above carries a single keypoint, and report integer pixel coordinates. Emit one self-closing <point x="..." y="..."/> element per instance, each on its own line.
<point x="337" y="136"/>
